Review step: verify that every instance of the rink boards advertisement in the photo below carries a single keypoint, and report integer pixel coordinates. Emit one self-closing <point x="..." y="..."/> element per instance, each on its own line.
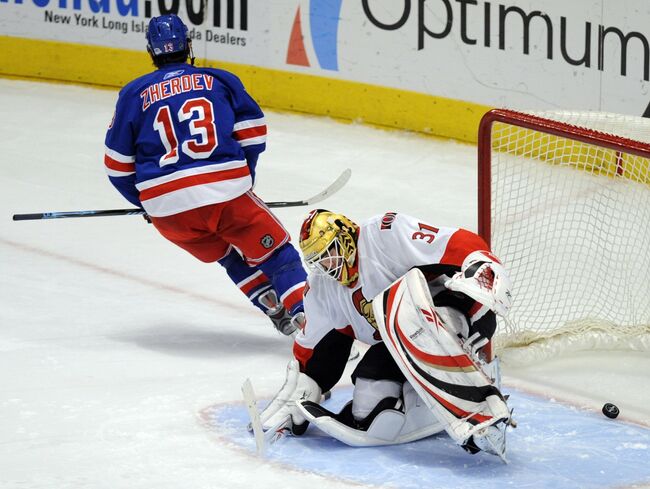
<point x="404" y="63"/>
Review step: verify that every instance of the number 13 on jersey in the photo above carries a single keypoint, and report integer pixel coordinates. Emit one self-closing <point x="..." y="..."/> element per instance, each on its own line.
<point x="200" y="113"/>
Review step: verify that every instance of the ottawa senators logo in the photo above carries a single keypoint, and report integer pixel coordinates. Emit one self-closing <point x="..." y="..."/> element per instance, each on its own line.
<point x="387" y="220"/>
<point x="364" y="307"/>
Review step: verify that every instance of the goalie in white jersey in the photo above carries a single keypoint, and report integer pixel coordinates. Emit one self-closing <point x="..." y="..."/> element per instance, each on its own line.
<point x="415" y="379"/>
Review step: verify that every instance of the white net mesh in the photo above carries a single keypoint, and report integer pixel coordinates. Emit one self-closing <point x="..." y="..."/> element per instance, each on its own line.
<point x="571" y="221"/>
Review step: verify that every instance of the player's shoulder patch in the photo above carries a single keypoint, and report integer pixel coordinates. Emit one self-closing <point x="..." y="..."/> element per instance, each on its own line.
<point x="387" y="220"/>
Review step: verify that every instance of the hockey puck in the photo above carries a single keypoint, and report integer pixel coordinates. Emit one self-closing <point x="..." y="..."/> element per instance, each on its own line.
<point x="610" y="410"/>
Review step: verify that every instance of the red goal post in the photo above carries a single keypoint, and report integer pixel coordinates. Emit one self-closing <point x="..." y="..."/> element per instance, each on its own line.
<point x="564" y="201"/>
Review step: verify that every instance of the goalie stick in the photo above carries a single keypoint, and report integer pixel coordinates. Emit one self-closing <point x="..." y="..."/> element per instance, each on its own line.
<point x="270" y="436"/>
<point x="334" y="187"/>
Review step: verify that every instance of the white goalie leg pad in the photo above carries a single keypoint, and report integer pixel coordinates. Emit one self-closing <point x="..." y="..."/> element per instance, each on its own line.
<point x="413" y="421"/>
<point x="368" y="393"/>
<point x="420" y="421"/>
<point x="448" y="378"/>
<point x="454" y="320"/>
<point x="384" y="430"/>
<point x="457" y="323"/>
<point x="297" y="387"/>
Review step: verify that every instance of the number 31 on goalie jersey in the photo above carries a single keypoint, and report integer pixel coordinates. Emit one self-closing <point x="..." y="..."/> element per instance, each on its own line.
<point x="200" y="113"/>
<point x="428" y="236"/>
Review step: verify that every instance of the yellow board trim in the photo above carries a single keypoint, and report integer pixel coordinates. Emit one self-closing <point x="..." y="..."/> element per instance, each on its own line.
<point x="560" y="151"/>
<point x="283" y="90"/>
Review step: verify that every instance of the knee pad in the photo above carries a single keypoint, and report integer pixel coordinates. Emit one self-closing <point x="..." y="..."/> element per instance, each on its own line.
<point x="283" y="259"/>
<point x="284" y="268"/>
<point x="369" y="393"/>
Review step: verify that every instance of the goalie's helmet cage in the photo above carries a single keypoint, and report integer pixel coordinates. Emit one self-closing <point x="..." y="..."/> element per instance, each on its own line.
<point x="166" y="34"/>
<point x="329" y="245"/>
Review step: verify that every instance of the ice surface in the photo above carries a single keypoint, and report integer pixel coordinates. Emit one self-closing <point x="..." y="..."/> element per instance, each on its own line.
<point x="113" y="342"/>
<point x="554" y="446"/>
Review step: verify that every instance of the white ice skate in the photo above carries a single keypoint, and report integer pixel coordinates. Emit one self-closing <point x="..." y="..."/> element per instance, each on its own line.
<point x="491" y="439"/>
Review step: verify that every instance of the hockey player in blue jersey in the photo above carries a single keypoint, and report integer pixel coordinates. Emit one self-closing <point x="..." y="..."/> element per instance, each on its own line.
<point x="183" y="145"/>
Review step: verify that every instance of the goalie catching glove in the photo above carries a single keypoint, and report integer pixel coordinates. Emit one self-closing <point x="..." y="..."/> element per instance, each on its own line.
<point x="483" y="278"/>
<point x="283" y="409"/>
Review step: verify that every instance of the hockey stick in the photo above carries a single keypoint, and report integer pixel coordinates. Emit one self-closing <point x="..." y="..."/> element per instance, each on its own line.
<point x="254" y="415"/>
<point x="330" y="190"/>
<point x="270" y="436"/>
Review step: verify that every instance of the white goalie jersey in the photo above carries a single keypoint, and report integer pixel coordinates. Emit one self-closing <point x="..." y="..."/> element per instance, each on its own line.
<point x="431" y="320"/>
<point x="388" y="247"/>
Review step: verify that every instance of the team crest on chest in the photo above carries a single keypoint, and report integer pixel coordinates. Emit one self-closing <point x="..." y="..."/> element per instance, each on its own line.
<point x="364" y="307"/>
<point x="387" y="220"/>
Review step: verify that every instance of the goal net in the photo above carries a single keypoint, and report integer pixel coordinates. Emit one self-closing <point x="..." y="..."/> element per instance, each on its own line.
<point x="564" y="201"/>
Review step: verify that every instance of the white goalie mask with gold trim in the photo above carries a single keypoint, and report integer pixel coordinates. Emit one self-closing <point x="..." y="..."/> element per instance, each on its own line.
<point x="329" y="245"/>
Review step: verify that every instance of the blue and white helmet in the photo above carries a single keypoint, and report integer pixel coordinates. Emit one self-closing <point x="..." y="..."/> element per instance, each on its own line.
<point x="166" y="34"/>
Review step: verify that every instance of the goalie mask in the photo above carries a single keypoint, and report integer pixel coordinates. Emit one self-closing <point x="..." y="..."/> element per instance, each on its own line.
<point x="329" y="245"/>
<point x="483" y="278"/>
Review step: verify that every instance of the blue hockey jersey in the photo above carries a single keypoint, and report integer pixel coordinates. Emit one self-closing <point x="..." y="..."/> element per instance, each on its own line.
<point x="183" y="137"/>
